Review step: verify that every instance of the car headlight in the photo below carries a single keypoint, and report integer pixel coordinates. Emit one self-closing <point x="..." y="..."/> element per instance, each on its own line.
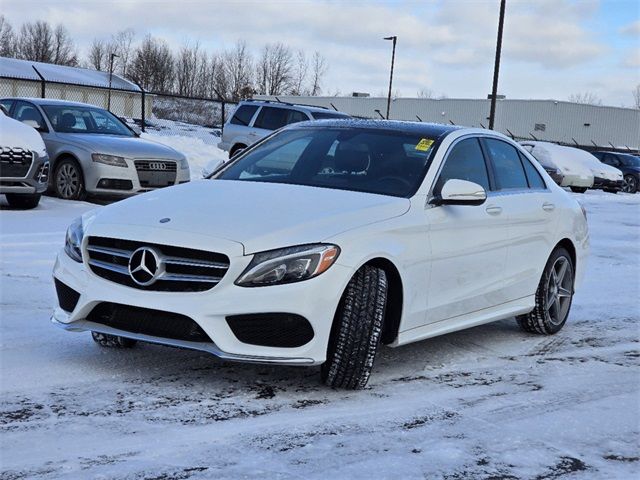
<point x="184" y="164"/>
<point x="73" y="240"/>
<point x="112" y="160"/>
<point x="288" y="265"/>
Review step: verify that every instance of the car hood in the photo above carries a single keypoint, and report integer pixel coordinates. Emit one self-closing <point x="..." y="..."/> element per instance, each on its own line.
<point x="260" y="216"/>
<point x="606" y="171"/>
<point x="129" y="147"/>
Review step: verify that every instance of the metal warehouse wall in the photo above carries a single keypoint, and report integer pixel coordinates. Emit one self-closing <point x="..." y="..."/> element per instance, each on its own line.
<point x="557" y="121"/>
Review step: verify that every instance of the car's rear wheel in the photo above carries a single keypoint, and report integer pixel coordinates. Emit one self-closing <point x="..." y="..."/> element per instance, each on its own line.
<point x="630" y="184"/>
<point x="68" y="180"/>
<point x="578" y="189"/>
<point x="356" y="331"/>
<point x="553" y="296"/>
<point x="23" y="200"/>
<point x="112" y="341"/>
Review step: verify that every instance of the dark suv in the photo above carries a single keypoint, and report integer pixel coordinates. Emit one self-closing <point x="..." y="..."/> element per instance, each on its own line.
<point x="628" y="164"/>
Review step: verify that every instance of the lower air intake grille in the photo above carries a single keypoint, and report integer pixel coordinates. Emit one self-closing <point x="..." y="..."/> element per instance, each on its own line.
<point x="183" y="269"/>
<point x="67" y="296"/>
<point x="271" y="329"/>
<point x="146" y="321"/>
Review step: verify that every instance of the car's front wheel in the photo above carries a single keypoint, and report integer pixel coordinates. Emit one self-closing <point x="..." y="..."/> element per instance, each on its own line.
<point x="23" y="200"/>
<point x="578" y="189"/>
<point x="68" y="180"/>
<point x="553" y="296"/>
<point x="112" y="341"/>
<point x="630" y="184"/>
<point x="356" y="331"/>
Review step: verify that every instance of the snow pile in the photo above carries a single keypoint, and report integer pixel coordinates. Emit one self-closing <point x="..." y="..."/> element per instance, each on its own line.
<point x="198" y="153"/>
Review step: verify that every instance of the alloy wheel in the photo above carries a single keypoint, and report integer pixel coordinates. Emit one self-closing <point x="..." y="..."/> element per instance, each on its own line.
<point x="630" y="184"/>
<point x="559" y="290"/>
<point x="68" y="180"/>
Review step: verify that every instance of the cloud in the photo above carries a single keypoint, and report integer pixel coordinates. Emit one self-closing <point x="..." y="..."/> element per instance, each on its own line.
<point x="631" y="29"/>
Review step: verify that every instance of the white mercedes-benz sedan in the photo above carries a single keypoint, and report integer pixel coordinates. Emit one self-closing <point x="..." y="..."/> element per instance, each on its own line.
<point x="325" y="240"/>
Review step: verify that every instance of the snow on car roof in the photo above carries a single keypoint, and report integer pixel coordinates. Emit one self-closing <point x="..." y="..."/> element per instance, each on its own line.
<point x="11" y="67"/>
<point x="419" y="128"/>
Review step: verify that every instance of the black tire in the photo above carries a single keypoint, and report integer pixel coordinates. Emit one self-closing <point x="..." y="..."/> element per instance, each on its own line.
<point x="356" y="330"/>
<point x="112" y="341"/>
<point x="68" y="181"/>
<point x="630" y="184"/>
<point x="553" y="302"/>
<point x="24" y="201"/>
<point x="611" y="190"/>
<point x="236" y="150"/>
<point x="578" y="189"/>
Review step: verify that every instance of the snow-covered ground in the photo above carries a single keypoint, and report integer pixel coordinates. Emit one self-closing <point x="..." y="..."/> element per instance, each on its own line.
<point x="490" y="402"/>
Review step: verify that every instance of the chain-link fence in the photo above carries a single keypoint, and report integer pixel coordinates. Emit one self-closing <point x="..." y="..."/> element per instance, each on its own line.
<point x="153" y="112"/>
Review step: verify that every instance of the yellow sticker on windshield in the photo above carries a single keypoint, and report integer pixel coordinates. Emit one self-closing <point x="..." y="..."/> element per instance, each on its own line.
<point x="424" y="145"/>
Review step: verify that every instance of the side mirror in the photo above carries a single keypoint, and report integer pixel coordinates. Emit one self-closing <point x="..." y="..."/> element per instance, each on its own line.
<point x="460" y="192"/>
<point x="34" y="124"/>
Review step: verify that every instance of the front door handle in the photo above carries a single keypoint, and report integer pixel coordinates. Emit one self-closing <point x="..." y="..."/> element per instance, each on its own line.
<point x="493" y="210"/>
<point x="549" y="207"/>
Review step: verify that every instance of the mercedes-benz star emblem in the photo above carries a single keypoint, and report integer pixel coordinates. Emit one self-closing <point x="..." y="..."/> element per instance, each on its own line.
<point x="145" y="266"/>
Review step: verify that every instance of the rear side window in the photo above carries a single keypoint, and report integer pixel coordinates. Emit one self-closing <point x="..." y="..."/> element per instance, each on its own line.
<point x="533" y="176"/>
<point x="465" y="162"/>
<point x="325" y="115"/>
<point x="271" y="118"/>
<point x="7" y="104"/>
<point x="507" y="167"/>
<point x="244" y="114"/>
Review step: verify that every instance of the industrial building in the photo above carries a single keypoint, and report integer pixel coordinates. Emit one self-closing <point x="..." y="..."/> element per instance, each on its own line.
<point x="587" y="126"/>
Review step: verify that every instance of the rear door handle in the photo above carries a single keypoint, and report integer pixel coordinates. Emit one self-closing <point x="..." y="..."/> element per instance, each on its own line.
<point x="493" y="210"/>
<point x="549" y="207"/>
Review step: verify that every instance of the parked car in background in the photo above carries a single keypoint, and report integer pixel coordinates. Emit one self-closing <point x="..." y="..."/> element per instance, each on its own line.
<point x="569" y="172"/>
<point x="24" y="163"/>
<point x="326" y="240"/>
<point x="628" y="164"/>
<point x="255" y="119"/>
<point x="605" y="177"/>
<point x="93" y="151"/>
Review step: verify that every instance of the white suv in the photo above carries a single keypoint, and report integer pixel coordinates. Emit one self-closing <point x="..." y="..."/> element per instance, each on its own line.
<point x="255" y="119"/>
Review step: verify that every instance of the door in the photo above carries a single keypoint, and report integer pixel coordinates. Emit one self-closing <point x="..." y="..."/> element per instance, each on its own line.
<point x="530" y="208"/>
<point x="468" y="243"/>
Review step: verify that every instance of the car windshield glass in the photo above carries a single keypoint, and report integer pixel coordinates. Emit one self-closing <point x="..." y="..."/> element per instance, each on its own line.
<point x="630" y="160"/>
<point x="367" y="160"/>
<point x="77" y="119"/>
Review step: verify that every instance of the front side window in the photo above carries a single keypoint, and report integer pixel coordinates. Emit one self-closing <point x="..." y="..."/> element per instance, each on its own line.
<point x="28" y="112"/>
<point x="629" y="160"/>
<point x="80" y="119"/>
<point x="610" y="160"/>
<point x="465" y="162"/>
<point x="374" y="161"/>
<point x="244" y="114"/>
<point x="507" y="167"/>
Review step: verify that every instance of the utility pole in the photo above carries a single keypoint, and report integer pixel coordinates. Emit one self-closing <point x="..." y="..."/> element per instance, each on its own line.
<point x="496" y="67"/>
<point x="393" y="57"/>
<point x="113" y="55"/>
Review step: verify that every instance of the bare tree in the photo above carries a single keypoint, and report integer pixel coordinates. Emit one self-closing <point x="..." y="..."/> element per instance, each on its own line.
<point x="122" y="45"/>
<point x="98" y="57"/>
<point x="318" y="70"/>
<point x="39" y="42"/>
<point x="275" y="69"/>
<point x="425" y="93"/>
<point x="8" y="47"/>
<point x="153" y="65"/>
<point x="238" y="71"/>
<point x="636" y="96"/>
<point x="186" y="68"/>
<point x="300" y="73"/>
<point x="586" y="98"/>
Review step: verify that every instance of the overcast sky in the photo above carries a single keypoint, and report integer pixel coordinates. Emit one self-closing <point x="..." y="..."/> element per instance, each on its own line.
<point x="552" y="48"/>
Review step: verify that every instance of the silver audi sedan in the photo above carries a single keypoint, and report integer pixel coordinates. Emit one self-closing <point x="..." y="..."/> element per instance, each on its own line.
<point x="94" y="152"/>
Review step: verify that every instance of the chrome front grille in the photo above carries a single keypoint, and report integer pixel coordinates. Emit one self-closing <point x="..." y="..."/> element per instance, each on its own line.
<point x="180" y="269"/>
<point x="15" y="162"/>
<point x="156" y="173"/>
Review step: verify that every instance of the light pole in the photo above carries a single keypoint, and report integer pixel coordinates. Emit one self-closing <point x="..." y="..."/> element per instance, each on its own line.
<point x="393" y="58"/>
<point x="496" y="67"/>
<point x="113" y="55"/>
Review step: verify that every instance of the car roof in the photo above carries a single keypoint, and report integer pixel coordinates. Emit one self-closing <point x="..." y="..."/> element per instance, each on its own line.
<point x="432" y="130"/>
<point x="275" y="103"/>
<point x="51" y="101"/>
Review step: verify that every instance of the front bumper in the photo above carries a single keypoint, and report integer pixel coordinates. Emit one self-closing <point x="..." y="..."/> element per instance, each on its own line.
<point x="577" y="180"/>
<point x="605" y="183"/>
<point x="34" y="182"/>
<point x="315" y="299"/>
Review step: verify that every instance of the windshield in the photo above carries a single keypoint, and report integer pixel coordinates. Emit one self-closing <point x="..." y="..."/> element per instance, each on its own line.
<point x="367" y="160"/>
<point x="77" y="119"/>
<point x="629" y="160"/>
